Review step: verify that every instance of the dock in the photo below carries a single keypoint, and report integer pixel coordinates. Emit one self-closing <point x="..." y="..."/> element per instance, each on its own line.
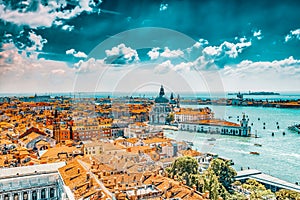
<point x="270" y="182"/>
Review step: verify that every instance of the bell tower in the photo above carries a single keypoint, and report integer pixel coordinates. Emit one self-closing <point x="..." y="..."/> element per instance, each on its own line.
<point x="245" y="128"/>
<point x="56" y="127"/>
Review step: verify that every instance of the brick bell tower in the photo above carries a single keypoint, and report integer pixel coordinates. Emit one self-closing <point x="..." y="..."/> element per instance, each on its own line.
<point x="56" y="128"/>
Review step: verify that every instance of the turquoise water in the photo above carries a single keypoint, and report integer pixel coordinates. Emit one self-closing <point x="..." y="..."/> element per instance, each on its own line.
<point x="279" y="154"/>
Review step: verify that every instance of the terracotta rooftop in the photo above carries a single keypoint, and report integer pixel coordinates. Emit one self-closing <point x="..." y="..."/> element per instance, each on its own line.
<point x="79" y="180"/>
<point x="215" y="122"/>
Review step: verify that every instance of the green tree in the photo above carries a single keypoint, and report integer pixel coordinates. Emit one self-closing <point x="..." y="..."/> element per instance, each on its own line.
<point x="223" y="171"/>
<point x="284" y="194"/>
<point x="211" y="184"/>
<point x="257" y="190"/>
<point x="212" y="180"/>
<point x="170" y="118"/>
<point x="185" y="168"/>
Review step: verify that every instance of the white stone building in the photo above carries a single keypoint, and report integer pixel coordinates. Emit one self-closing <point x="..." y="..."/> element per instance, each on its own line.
<point x="161" y="109"/>
<point x="31" y="182"/>
<point x="218" y="127"/>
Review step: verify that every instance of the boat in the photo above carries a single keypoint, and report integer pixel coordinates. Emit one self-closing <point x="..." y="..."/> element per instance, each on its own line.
<point x="258" y="145"/>
<point x="254" y="153"/>
<point x="188" y="142"/>
<point x="295" y="128"/>
<point x="168" y="127"/>
<point x="211" y="139"/>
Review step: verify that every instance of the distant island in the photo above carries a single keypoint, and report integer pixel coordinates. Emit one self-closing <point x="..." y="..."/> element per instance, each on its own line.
<point x="255" y="93"/>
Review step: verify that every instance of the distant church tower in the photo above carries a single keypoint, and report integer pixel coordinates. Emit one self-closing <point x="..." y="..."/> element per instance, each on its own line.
<point x="245" y="128"/>
<point x="56" y="128"/>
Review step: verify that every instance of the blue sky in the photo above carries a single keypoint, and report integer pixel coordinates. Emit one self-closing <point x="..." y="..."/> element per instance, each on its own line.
<point x="92" y="45"/>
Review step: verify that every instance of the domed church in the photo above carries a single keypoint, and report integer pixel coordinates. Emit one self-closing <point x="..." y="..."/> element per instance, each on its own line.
<point x="161" y="108"/>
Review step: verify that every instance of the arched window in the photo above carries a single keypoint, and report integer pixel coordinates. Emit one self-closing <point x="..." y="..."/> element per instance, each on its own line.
<point x="43" y="193"/>
<point x="52" y="191"/>
<point x="25" y="196"/>
<point x="34" y="195"/>
<point x="6" y="197"/>
<point x="16" y="196"/>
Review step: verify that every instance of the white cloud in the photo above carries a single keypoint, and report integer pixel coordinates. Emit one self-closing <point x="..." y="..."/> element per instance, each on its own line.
<point x="76" y="54"/>
<point x="225" y="49"/>
<point x="80" y="54"/>
<point x="167" y="53"/>
<point x="67" y="28"/>
<point x="163" y="67"/>
<point x="293" y="34"/>
<point x="285" y="67"/>
<point x="281" y="75"/>
<point x="89" y="66"/>
<point x="257" y="34"/>
<point x="20" y="73"/>
<point x="184" y="66"/>
<point x="121" y="55"/>
<point x="38" y="42"/>
<point x="45" y="16"/>
<point x="203" y="42"/>
<point x="287" y="38"/>
<point x="199" y="56"/>
<point x="70" y="51"/>
<point x="154" y="53"/>
<point x="212" y="51"/>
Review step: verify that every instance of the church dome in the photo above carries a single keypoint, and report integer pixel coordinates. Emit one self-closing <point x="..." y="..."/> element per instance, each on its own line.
<point x="161" y="98"/>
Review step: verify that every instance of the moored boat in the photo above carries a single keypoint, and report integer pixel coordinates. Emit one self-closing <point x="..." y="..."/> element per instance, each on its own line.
<point x="295" y="128"/>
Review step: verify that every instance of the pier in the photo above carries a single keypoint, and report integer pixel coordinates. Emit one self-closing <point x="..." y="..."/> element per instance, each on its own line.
<point x="270" y="182"/>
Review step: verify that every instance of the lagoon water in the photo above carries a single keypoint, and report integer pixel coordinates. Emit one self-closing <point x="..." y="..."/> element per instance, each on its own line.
<point x="279" y="154"/>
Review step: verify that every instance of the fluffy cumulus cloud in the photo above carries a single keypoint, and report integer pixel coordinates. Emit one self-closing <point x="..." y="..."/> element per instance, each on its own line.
<point x="294" y="34"/>
<point x="287" y="67"/>
<point x="38" y="42"/>
<point x="11" y="53"/>
<point x="36" y="14"/>
<point x="228" y="49"/>
<point x="155" y="53"/>
<point x="77" y="54"/>
<point x="121" y="55"/>
<point x="200" y="56"/>
<point x="20" y="73"/>
<point x="89" y="66"/>
<point x="277" y="75"/>
<point x="167" y="53"/>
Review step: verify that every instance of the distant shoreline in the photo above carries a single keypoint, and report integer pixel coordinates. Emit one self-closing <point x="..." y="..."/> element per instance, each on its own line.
<point x="256" y="93"/>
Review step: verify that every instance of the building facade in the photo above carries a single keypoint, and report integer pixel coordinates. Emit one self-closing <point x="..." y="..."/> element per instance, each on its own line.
<point x="31" y="182"/>
<point x="218" y="127"/>
<point x="161" y="109"/>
